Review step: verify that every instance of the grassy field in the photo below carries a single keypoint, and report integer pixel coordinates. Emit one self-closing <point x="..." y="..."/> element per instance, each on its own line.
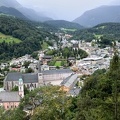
<point x="65" y="29"/>
<point x="44" y="46"/>
<point x="98" y="36"/>
<point x="8" y="38"/>
<point x="58" y="63"/>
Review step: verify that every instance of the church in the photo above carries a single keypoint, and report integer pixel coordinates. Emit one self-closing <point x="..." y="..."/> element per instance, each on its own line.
<point x="35" y="80"/>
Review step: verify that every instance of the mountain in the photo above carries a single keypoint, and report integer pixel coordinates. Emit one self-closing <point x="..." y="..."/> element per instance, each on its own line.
<point x="64" y="24"/>
<point x="30" y="36"/>
<point x="12" y="11"/>
<point x="99" y="15"/>
<point x="33" y="15"/>
<point x="110" y="31"/>
<point x="28" y="13"/>
<point x="10" y="3"/>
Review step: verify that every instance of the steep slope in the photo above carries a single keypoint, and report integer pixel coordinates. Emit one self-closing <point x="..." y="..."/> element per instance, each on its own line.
<point x="12" y="11"/>
<point x="10" y="3"/>
<point x="99" y="15"/>
<point x="29" y="13"/>
<point x="64" y="24"/>
<point x="30" y="36"/>
<point x="33" y="15"/>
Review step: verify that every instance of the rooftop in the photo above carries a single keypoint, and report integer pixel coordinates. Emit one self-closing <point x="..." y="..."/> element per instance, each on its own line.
<point x="69" y="81"/>
<point x="58" y="71"/>
<point x="9" y="96"/>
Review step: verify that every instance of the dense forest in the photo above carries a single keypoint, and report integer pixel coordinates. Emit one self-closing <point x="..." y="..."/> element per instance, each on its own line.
<point x="107" y="30"/>
<point x="64" y="24"/>
<point x="26" y="31"/>
<point x="99" y="99"/>
<point x="68" y="52"/>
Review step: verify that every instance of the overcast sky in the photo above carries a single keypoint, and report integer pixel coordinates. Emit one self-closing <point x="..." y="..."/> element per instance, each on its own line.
<point x="64" y="9"/>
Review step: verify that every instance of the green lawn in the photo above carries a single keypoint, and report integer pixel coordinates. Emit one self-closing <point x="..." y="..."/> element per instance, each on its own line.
<point x="44" y="46"/>
<point x="98" y="36"/>
<point x="58" y="63"/>
<point x="8" y="38"/>
<point x="65" y="29"/>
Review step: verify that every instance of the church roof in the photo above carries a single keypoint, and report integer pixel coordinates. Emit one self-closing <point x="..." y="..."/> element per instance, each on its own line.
<point x="30" y="78"/>
<point x="9" y="97"/>
<point x="33" y="77"/>
<point x="14" y="76"/>
<point x="48" y="57"/>
<point x="27" y="78"/>
<point x="58" y="71"/>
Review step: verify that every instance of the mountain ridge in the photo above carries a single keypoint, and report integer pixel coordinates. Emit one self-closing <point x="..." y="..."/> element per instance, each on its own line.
<point x="13" y="12"/>
<point x="64" y="24"/>
<point x="99" y="15"/>
<point x="27" y="12"/>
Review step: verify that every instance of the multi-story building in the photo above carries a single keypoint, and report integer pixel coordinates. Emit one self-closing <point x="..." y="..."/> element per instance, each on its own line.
<point x="35" y="80"/>
<point x="10" y="99"/>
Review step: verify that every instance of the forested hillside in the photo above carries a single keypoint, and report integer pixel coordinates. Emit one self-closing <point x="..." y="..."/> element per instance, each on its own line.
<point x="30" y="36"/>
<point x="13" y="12"/>
<point x="100" y="96"/>
<point x="107" y="30"/>
<point x="64" y="24"/>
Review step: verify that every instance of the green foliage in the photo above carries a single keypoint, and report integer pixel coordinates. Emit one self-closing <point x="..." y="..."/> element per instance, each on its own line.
<point x="29" y="70"/>
<point x="68" y="52"/>
<point x="53" y="104"/>
<point x="15" y="88"/>
<point x="109" y="30"/>
<point x="26" y="91"/>
<point x="15" y="114"/>
<point x="105" y="41"/>
<point x="64" y="24"/>
<point x="8" y="39"/>
<point x="52" y="63"/>
<point x="26" y="31"/>
<point x="100" y="97"/>
<point x="35" y="55"/>
<point x="26" y="64"/>
<point x="58" y="63"/>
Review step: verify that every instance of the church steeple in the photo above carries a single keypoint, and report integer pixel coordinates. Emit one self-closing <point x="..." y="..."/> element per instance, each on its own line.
<point x="21" y="87"/>
<point x="39" y="66"/>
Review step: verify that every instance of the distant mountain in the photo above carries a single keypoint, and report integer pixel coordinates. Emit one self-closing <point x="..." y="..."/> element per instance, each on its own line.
<point x="10" y="3"/>
<point x="64" y="24"/>
<point x="12" y="11"/>
<point x="33" y="15"/>
<point x="29" y="13"/>
<point x="99" y="15"/>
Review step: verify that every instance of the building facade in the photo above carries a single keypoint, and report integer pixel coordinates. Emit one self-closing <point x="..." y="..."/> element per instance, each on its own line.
<point x="11" y="100"/>
<point x="35" y="80"/>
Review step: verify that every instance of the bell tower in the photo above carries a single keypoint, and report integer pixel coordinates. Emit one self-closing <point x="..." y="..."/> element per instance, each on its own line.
<point x="21" y="87"/>
<point x="40" y="75"/>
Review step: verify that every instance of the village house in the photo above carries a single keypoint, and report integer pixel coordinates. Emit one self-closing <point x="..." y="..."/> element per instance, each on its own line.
<point x="69" y="82"/>
<point x="46" y="59"/>
<point x="10" y="99"/>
